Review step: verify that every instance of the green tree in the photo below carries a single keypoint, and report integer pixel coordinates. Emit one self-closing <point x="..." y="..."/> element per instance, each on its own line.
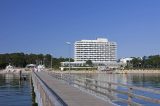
<point x="89" y="63"/>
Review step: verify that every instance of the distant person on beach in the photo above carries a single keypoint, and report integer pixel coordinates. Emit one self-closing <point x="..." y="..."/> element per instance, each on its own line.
<point x="35" y="69"/>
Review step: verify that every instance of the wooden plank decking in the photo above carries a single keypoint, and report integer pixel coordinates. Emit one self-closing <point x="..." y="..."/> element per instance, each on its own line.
<point x="70" y="95"/>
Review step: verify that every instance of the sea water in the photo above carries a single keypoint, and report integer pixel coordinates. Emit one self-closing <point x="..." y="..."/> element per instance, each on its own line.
<point x="14" y="92"/>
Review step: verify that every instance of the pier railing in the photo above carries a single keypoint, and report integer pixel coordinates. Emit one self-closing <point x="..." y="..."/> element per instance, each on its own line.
<point x="109" y="90"/>
<point x="45" y="96"/>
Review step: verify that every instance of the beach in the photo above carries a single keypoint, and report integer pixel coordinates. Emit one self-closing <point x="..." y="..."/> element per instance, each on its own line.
<point x="137" y="71"/>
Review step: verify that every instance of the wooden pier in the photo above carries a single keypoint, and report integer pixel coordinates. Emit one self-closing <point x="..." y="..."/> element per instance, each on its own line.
<point x="62" y="89"/>
<point x="53" y="92"/>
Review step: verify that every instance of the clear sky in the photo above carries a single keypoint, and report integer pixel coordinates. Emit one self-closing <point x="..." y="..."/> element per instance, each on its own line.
<point x="43" y="26"/>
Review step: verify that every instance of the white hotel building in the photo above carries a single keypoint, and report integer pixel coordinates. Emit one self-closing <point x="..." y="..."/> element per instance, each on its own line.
<point x="98" y="51"/>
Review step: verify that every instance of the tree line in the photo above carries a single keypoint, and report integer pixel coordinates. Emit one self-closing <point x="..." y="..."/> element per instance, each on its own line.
<point x="22" y="59"/>
<point x="146" y="62"/>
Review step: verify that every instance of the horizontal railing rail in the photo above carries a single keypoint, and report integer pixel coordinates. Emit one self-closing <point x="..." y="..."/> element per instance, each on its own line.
<point x="54" y="98"/>
<point x="129" y="86"/>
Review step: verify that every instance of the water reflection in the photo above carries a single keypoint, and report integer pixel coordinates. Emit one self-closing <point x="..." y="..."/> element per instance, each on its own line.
<point x="143" y="80"/>
<point x="140" y="80"/>
<point x="14" y="92"/>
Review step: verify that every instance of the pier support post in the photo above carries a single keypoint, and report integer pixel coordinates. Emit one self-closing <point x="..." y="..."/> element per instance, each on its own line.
<point x="20" y="75"/>
<point x="130" y="96"/>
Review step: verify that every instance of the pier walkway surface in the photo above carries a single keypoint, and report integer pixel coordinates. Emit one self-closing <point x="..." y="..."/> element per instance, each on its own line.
<point x="70" y="95"/>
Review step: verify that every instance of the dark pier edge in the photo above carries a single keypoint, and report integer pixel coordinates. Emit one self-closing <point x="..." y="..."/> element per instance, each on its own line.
<point x="33" y="95"/>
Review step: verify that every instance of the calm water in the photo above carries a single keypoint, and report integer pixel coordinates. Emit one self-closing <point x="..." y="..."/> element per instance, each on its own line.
<point x="13" y="92"/>
<point x="141" y="80"/>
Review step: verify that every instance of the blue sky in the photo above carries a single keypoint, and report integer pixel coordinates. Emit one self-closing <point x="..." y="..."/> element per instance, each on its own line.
<point x="43" y="26"/>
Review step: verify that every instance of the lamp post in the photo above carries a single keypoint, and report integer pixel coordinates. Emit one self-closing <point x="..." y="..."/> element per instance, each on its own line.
<point x="51" y="61"/>
<point x="69" y="43"/>
<point x="44" y="61"/>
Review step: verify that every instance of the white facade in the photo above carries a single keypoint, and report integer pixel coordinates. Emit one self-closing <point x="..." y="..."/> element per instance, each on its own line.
<point x="98" y="51"/>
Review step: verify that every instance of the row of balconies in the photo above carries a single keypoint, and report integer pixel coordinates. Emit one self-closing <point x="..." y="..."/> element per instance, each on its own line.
<point x="95" y="42"/>
<point x="95" y="54"/>
<point x="95" y="51"/>
<point x="106" y="46"/>
<point x="99" y="44"/>
<point x="94" y="59"/>
<point x="96" y="46"/>
<point x="113" y="55"/>
<point x="98" y="57"/>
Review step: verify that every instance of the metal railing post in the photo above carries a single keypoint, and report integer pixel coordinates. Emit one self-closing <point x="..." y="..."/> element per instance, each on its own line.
<point x="110" y="87"/>
<point x="96" y="83"/>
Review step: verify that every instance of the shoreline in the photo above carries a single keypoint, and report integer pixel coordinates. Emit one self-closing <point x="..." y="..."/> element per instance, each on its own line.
<point x="140" y="71"/>
<point x="16" y="72"/>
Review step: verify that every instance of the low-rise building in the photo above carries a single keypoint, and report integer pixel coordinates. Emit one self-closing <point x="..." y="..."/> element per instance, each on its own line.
<point x="124" y="60"/>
